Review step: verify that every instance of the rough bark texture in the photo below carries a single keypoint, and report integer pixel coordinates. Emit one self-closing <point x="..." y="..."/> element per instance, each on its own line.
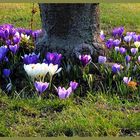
<point x="70" y="28"/>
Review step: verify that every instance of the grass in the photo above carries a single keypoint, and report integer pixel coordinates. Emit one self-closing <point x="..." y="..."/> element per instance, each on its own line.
<point x="120" y="14"/>
<point x="97" y="115"/>
<point x="111" y="15"/>
<point x="19" y="14"/>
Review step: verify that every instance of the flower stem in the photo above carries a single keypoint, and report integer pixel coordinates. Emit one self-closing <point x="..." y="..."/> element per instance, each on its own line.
<point x="50" y="82"/>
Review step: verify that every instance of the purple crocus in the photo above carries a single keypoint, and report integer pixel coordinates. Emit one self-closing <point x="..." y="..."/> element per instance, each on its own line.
<point x="6" y="72"/>
<point x="126" y="80"/>
<point x="134" y="50"/>
<point x="102" y="36"/>
<point x="73" y="85"/>
<point x="130" y="33"/>
<point x="3" y="52"/>
<point x="8" y="42"/>
<point x="116" y="42"/>
<point x="109" y="43"/>
<point x="16" y="39"/>
<point x="40" y="86"/>
<point x="53" y="58"/>
<point x="116" y="68"/>
<point x="136" y="38"/>
<point x="102" y="59"/>
<point x="28" y="32"/>
<point x="32" y="58"/>
<point x="139" y="59"/>
<point x="64" y="93"/>
<point x="122" y="50"/>
<point x="14" y="48"/>
<point x="36" y="33"/>
<point x="127" y="58"/>
<point x="128" y="38"/>
<point x="85" y="59"/>
<point x="118" y="32"/>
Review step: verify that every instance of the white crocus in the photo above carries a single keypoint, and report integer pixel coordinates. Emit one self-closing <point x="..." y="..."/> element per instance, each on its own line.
<point x="53" y="69"/>
<point x="36" y="70"/>
<point x="25" y="37"/>
<point x="101" y="32"/>
<point x="137" y="44"/>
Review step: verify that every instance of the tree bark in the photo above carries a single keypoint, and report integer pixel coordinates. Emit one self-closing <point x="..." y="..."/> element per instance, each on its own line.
<point x="70" y="28"/>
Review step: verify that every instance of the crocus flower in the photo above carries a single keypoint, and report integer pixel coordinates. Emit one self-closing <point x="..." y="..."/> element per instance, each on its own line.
<point x="134" y="50"/>
<point x="32" y="58"/>
<point x="53" y="58"/>
<point x="36" y="70"/>
<point x="117" y="48"/>
<point x="101" y="59"/>
<point x="53" y="69"/>
<point x="130" y="33"/>
<point x="109" y="43"/>
<point x="139" y="59"/>
<point x="14" y="48"/>
<point x="116" y="68"/>
<point x="6" y="72"/>
<point x="127" y="38"/>
<point x="64" y="93"/>
<point x="85" y="59"/>
<point x="136" y="38"/>
<point x="118" y="31"/>
<point x="73" y="85"/>
<point x="132" y="84"/>
<point x="126" y="80"/>
<point x="137" y="44"/>
<point x="3" y="52"/>
<point x="8" y="42"/>
<point x="127" y="58"/>
<point x="26" y="37"/>
<point x="16" y="40"/>
<point x="36" y="33"/>
<point x="102" y="36"/>
<point x="28" y="32"/>
<point x="122" y="50"/>
<point x="116" y="42"/>
<point x="40" y="86"/>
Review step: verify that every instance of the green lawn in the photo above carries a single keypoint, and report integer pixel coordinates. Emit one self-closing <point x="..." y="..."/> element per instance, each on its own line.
<point x="95" y="116"/>
<point x="112" y="15"/>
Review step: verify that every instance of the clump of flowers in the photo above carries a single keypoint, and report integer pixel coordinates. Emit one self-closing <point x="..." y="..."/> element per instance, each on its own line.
<point x="108" y="74"/>
<point x="124" y="59"/>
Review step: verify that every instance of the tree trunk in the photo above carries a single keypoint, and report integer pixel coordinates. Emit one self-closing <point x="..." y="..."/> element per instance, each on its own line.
<point x="70" y="28"/>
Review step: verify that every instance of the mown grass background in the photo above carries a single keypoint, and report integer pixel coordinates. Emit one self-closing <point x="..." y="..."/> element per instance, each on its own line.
<point x="96" y="115"/>
<point x="111" y="15"/>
